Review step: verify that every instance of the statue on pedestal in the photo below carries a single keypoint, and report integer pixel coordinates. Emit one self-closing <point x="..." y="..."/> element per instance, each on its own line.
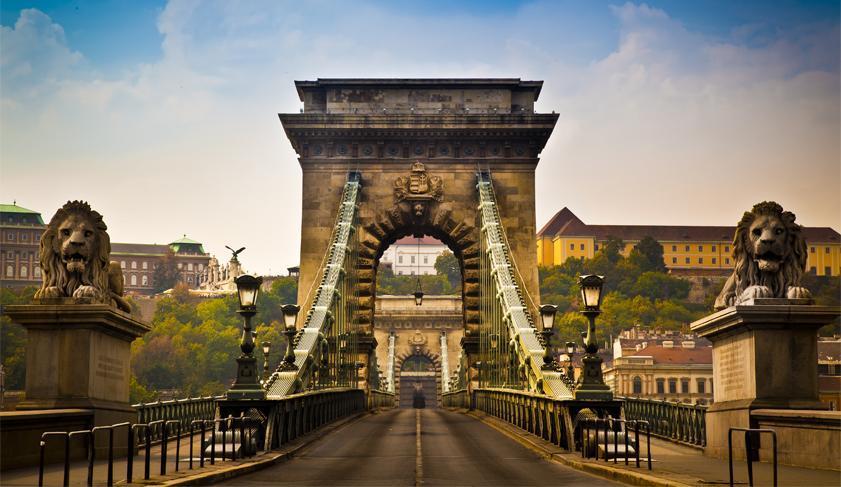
<point x="770" y="256"/>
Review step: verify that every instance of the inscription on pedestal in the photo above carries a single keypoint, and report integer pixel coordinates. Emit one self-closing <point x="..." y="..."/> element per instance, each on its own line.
<point x="110" y="368"/>
<point x="731" y="363"/>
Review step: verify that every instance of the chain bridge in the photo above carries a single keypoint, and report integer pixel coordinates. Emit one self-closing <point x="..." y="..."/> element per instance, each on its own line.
<point x="370" y="396"/>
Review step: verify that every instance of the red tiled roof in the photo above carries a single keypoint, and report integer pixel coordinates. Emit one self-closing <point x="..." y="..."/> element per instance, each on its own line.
<point x="425" y="240"/>
<point x="677" y="355"/>
<point x="132" y="248"/>
<point x="567" y="224"/>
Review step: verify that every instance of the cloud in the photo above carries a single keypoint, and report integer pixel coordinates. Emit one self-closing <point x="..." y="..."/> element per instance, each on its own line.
<point x="683" y="127"/>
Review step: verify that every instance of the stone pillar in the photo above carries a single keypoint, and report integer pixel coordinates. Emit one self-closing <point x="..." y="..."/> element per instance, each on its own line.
<point x="764" y="357"/>
<point x="77" y="358"/>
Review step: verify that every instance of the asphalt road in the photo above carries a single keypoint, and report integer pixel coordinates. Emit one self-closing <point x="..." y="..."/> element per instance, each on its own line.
<point x="430" y="447"/>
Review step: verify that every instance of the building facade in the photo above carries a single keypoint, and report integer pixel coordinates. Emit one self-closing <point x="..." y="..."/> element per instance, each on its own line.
<point x="661" y="365"/>
<point x="20" y="233"/>
<point x="829" y="371"/>
<point x="690" y="250"/>
<point x="410" y="255"/>
<point x="20" y="236"/>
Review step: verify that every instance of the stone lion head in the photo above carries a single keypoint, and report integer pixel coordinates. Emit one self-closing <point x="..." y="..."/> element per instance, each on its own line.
<point x="769" y="254"/>
<point x="74" y="254"/>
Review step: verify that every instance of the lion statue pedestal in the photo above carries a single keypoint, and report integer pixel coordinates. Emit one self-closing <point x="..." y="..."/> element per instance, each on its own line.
<point x="765" y="354"/>
<point x="79" y="335"/>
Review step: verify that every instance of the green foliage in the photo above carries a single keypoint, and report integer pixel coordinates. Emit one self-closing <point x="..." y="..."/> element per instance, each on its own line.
<point x="194" y="342"/>
<point x="636" y="291"/>
<point x="13" y="338"/>
<point x="447" y="264"/>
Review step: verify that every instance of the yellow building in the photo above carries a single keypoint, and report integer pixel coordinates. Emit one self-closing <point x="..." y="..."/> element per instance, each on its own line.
<point x="694" y="250"/>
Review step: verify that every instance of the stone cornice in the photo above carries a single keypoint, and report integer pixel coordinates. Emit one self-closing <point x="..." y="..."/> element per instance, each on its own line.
<point x="67" y="314"/>
<point x="778" y="313"/>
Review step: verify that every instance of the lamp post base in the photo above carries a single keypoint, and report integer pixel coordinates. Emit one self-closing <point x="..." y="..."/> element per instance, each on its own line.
<point x="592" y="386"/>
<point x="246" y="385"/>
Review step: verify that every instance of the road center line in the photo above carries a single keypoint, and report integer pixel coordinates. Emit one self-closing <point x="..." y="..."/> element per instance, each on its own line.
<point x="418" y="451"/>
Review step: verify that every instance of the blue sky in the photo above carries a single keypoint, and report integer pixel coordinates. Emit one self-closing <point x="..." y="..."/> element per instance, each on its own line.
<point x="685" y="102"/>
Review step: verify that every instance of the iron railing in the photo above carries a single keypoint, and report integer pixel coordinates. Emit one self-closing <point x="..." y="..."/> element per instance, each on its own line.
<point x="510" y="352"/>
<point x="683" y="423"/>
<point x="539" y="414"/>
<point x="185" y="411"/>
<point x="456" y="399"/>
<point x="751" y="450"/>
<point x="603" y="429"/>
<point x="299" y="414"/>
<point x="326" y="346"/>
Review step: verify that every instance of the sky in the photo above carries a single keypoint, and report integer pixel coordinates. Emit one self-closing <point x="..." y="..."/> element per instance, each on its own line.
<point x="163" y="115"/>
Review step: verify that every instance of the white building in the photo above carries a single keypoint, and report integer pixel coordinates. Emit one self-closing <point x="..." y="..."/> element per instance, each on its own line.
<point x="410" y="255"/>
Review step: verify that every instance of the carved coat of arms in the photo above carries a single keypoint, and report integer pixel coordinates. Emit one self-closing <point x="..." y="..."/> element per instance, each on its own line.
<point x="418" y="186"/>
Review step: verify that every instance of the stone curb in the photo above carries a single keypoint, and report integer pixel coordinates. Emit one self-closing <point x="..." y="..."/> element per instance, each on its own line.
<point x="554" y="453"/>
<point x="236" y="469"/>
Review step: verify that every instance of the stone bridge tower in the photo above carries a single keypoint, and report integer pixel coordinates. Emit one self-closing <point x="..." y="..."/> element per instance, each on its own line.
<point x="418" y="144"/>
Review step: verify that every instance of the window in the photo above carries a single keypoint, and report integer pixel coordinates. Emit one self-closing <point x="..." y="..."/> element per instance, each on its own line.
<point x="637" y="385"/>
<point x="24" y="237"/>
<point x="10" y="255"/>
<point x="687" y="248"/>
<point x="700" y="248"/>
<point x="827" y="250"/>
<point x="827" y="271"/>
<point x="700" y="260"/>
<point x="672" y="386"/>
<point x="24" y="271"/>
<point x="684" y="386"/>
<point x="122" y="264"/>
<point x="413" y="259"/>
<point x="596" y="247"/>
<point x="200" y="266"/>
<point x="400" y="259"/>
<point x="426" y="259"/>
<point x="144" y="280"/>
<point x="674" y="260"/>
<point x="727" y="260"/>
<point x="687" y="260"/>
<point x="661" y="386"/>
<point x="134" y="280"/>
<point x="190" y="266"/>
<point x="812" y="250"/>
<point x="713" y="248"/>
<point x="145" y="265"/>
<point x="572" y="246"/>
<point x="674" y="248"/>
<point x="134" y="264"/>
<point x="179" y="265"/>
<point x="727" y="248"/>
<point x="702" y="383"/>
<point x="10" y="271"/>
<point x="713" y="260"/>
<point x="36" y="270"/>
<point x="582" y="246"/>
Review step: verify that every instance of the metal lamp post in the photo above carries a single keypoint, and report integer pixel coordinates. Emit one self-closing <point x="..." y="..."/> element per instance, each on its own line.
<point x="570" y="352"/>
<point x="547" y="316"/>
<point x="592" y="383"/>
<point x="290" y="315"/>
<point x="267" y="347"/>
<point x="247" y="385"/>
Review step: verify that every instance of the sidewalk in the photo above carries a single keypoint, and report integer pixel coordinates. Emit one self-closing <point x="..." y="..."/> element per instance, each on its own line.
<point x="672" y="464"/>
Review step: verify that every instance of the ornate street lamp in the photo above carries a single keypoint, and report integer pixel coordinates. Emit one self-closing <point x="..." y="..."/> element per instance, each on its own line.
<point x="418" y="295"/>
<point x="267" y="346"/>
<point x="570" y="352"/>
<point x="247" y="385"/>
<point x="547" y="316"/>
<point x="592" y="383"/>
<point x="290" y="315"/>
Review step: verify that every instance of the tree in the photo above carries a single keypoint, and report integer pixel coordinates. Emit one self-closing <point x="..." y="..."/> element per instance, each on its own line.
<point x="13" y="338"/>
<point x="648" y="255"/>
<point x="447" y="264"/>
<point x="166" y="272"/>
<point x="612" y="249"/>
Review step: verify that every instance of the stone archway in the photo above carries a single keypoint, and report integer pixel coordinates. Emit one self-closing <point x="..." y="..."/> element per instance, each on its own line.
<point x="406" y="379"/>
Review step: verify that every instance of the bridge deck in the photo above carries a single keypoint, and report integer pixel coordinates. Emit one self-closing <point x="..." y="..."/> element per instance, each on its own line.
<point x="386" y="449"/>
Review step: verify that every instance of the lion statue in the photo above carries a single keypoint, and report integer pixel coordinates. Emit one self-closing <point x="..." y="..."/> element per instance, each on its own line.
<point x="770" y="257"/>
<point x="74" y="255"/>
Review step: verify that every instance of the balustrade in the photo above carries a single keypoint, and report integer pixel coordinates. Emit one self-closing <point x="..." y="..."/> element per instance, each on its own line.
<point x="684" y="423"/>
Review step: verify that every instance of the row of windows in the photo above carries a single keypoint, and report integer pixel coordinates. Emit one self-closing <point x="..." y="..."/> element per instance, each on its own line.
<point x="812" y="250"/>
<point x="713" y="248"/>
<point x="145" y="265"/>
<point x="673" y="383"/>
<point x="24" y="236"/>
<point x="11" y="255"/>
<point x="688" y="260"/>
<point x="24" y="271"/>
<point x="400" y="259"/>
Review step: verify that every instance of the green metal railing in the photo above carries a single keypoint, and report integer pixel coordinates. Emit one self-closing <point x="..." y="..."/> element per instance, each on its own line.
<point x="185" y="411"/>
<point x="684" y="423"/>
<point x="298" y="414"/>
<point x="326" y="346"/>
<point x="510" y="353"/>
<point x="541" y="415"/>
